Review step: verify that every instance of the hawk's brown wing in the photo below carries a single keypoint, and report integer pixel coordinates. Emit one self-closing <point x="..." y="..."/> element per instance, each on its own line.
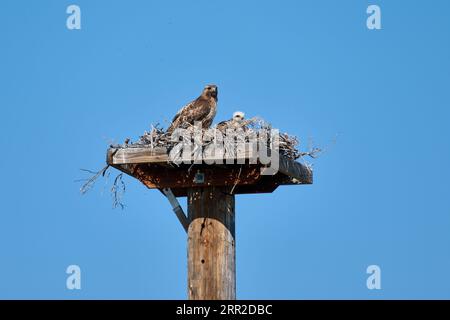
<point x="196" y="110"/>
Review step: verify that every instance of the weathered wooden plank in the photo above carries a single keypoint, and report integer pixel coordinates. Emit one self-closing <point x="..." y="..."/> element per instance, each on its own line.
<point x="211" y="245"/>
<point x="136" y="155"/>
<point x="211" y="155"/>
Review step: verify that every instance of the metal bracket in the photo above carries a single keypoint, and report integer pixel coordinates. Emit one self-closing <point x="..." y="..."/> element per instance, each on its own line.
<point x="176" y="207"/>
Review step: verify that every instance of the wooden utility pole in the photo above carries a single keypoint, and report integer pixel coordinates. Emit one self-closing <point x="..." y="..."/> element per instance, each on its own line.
<point x="211" y="244"/>
<point x="210" y="190"/>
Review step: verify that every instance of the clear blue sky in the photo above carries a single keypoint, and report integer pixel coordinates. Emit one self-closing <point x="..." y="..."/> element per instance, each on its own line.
<point x="312" y="68"/>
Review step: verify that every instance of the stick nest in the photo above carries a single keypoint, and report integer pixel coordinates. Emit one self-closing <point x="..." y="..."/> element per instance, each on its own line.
<point x="254" y="127"/>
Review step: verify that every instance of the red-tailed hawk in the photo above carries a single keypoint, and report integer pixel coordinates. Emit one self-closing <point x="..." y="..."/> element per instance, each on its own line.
<point x="234" y="123"/>
<point x="203" y="109"/>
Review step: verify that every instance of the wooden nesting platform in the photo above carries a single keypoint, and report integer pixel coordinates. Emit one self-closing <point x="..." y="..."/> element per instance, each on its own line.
<point x="152" y="166"/>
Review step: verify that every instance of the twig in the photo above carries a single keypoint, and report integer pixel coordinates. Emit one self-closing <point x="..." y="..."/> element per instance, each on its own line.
<point x="117" y="191"/>
<point x="237" y="180"/>
<point x="91" y="181"/>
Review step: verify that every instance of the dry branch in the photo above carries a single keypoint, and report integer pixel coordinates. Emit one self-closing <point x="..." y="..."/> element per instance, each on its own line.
<point x="117" y="188"/>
